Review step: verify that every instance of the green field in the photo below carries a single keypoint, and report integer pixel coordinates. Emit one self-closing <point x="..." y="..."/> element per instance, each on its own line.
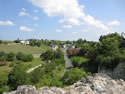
<point x="4" y="70"/>
<point x="23" y="48"/>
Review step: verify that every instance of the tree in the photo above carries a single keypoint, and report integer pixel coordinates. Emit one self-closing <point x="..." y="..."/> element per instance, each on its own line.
<point x="73" y="75"/>
<point x="17" y="41"/>
<point x="1" y="42"/>
<point x="48" y="55"/>
<point x="28" y="58"/>
<point x="3" y="56"/>
<point x="36" y="75"/>
<point x="79" y="61"/>
<point x="58" y="54"/>
<point x="20" y="56"/>
<point x="18" y="76"/>
<point x="10" y="56"/>
<point x="3" y="83"/>
<point x="110" y="53"/>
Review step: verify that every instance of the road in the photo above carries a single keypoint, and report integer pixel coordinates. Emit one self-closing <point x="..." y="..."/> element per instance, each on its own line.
<point x="33" y="68"/>
<point x="67" y="61"/>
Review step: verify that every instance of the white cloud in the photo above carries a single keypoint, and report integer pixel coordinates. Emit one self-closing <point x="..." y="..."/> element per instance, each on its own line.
<point x="58" y="30"/>
<point x="23" y="9"/>
<point x="73" y="21"/>
<point x="67" y="26"/>
<point x="35" y="18"/>
<point x="71" y="11"/>
<point x="24" y="14"/>
<point x="93" y="22"/>
<point x="35" y="11"/>
<point x="62" y="21"/>
<point x="24" y="28"/>
<point x="7" y="23"/>
<point x="114" y="23"/>
<point x="66" y="8"/>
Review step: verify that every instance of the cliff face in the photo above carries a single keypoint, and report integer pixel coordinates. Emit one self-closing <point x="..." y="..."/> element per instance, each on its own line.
<point x="117" y="73"/>
<point x="97" y="84"/>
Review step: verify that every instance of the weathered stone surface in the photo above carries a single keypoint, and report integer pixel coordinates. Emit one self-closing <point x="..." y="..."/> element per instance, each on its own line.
<point x="97" y="84"/>
<point x="117" y="73"/>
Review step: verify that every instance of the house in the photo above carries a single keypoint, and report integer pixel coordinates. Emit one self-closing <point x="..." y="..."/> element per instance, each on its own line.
<point x="25" y="42"/>
<point x="68" y="46"/>
<point x="54" y="47"/>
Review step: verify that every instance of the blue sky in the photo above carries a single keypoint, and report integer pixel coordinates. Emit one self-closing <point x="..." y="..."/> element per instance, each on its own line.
<point x="60" y="19"/>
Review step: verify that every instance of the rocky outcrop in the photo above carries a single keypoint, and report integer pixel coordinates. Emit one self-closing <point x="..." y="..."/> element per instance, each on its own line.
<point x="96" y="84"/>
<point x="117" y="73"/>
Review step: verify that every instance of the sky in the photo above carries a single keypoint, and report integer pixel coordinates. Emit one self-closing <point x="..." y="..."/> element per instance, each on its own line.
<point x="60" y="19"/>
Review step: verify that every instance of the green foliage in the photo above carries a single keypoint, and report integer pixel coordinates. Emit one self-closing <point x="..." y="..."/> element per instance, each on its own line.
<point x="28" y="58"/>
<point x="58" y="54"/>
<point x="20" y="56"/>
<point x="3" y="56"/>
<point x="3" y="84"/>
<point x="73" y="75"/>
<point x="78" y="61"/>
<point x="17" y="41"/>
<point x="48" y="55"/>
<point x="36" y="75"/>
<point x="10" y="56"/>
<point x="18" y="76"/>
<point x="23" y="57"/>
<point x="1" y="42"/>
<point x="109" y="50"/>
<point x="3" y="81"/>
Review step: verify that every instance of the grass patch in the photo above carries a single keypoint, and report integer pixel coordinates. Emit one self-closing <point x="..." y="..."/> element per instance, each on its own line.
<point x="4" y="70"/>
<point x="27" y="49"/>
<point x="35" y="62"/>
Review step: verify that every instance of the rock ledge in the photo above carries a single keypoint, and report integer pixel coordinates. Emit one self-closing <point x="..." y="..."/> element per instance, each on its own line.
<point x="97" y="84"/>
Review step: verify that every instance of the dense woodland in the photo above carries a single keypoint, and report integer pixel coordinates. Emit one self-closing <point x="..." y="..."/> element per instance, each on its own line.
<point x="86" y="58"/>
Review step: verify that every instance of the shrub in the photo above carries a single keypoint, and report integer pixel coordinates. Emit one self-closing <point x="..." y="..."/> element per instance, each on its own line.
<point x="20" y="56"/>
<point x="3" y="56"/>
<point x="28" y="58"/>
<point x="78" y="61"/>
<point x="18" y="76"/>
<point x="10" y="56"/>
<point x="73" y="75"/>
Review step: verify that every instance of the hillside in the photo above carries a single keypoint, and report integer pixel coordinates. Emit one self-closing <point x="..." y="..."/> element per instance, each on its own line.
<point x="96" y="84"/>
<point x="23" y="48"/>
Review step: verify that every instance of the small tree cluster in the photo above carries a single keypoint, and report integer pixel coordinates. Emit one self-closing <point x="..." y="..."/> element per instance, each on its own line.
<point x="50" y="55"/>
<point x="12" y="56"/>
<point x="22" y="57"/>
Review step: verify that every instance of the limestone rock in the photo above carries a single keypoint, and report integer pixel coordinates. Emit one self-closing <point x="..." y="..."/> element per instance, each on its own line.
<point x="97" y="84"/>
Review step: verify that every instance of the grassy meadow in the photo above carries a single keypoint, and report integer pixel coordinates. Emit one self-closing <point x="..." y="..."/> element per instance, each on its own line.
<point x="27" y="49"/>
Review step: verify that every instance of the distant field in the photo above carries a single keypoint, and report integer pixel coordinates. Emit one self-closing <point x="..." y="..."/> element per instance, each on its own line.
<point x="23" y="48"/>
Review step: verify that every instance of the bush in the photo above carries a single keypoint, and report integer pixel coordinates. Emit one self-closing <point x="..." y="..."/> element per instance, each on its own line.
<point x="11" y="56"/>
<point x="28" y="58"/>
<point x="3" y="84"/>
<point x="37" y="75"/>
<point x="73" y="75"/>
<point x="1" y="42"/>
<point x="79" y="61"/>
<point x="3" y="56"/>
<point x="4" y="63"/>
<point x="48" y="55"/>
<point x="20" y="56"/>
<point x="18" y="76"/>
